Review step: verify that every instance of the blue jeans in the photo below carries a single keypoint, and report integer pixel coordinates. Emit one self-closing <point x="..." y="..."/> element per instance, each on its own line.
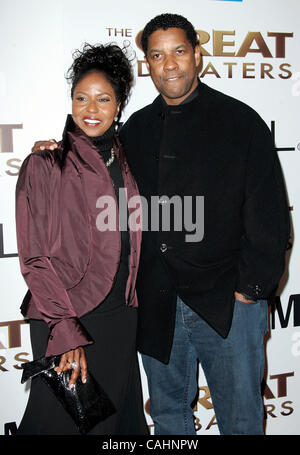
<point x="233" y="368"/>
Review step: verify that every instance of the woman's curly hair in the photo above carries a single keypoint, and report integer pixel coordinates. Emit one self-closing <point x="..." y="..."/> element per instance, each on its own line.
<point x="111" y="60"/>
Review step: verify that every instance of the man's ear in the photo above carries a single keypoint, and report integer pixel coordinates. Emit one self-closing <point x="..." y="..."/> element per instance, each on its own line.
<point x="197" y="54"/>
<point x="147" y="63"/>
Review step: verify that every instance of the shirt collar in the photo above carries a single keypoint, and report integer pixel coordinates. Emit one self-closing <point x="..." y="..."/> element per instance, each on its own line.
<point x="191" y="97"/>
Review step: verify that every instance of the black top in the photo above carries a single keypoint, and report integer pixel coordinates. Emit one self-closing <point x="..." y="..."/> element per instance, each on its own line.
<point x="116" y="297"/>
<point x="218" y="148"/>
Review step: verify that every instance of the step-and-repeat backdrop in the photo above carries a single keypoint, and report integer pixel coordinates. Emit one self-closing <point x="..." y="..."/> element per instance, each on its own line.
<point x="250" y="51"/>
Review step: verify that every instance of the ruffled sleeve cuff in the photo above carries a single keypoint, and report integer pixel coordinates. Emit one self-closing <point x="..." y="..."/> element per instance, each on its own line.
<point x="67" y="334"/>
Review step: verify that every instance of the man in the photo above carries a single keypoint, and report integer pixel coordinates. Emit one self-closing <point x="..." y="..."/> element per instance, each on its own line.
<point x="204" y="298"/>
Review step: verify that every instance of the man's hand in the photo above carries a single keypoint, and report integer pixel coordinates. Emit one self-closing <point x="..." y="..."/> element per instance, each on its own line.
<point x="42" y="145"/>
<point x="76" y="360"/>
<point x="241" y="298"/>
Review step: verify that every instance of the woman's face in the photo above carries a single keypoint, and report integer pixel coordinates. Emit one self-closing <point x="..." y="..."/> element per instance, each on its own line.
<point x="94" y="104"/>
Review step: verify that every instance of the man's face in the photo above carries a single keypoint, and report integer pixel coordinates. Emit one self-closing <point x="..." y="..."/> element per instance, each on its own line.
<point x="172" y="63"/>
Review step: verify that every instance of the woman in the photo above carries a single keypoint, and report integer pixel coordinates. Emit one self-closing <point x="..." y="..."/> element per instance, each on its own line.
<point x="81" y="278"/>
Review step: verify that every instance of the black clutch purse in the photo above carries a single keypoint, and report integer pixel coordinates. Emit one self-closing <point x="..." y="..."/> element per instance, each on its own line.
<point x="87" y="404"/>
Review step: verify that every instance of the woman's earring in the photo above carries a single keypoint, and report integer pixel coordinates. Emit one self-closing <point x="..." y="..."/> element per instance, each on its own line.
<point x="116" y="123"/>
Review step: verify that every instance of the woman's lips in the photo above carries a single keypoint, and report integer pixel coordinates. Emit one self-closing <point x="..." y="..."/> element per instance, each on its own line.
<point x="91" y="121"/>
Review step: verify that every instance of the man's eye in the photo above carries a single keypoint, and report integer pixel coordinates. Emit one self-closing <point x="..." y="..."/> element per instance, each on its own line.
<point x="155" y="56"/>
<point x="104" y="100"/>
<point x="180" y="51"/>
<point x="80" y="98"/>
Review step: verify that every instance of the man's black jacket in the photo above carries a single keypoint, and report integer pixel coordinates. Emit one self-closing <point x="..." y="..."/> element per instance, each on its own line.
<point x="217" y="147"/>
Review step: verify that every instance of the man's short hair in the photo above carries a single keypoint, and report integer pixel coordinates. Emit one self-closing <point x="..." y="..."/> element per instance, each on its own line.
<point x="165" y="21"/>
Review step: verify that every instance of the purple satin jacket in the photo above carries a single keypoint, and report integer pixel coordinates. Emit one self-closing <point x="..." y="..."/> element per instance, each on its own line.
<point x="67" y="263"/>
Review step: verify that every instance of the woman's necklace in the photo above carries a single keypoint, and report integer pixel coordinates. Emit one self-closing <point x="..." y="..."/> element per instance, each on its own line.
<point x="111" y="159"/>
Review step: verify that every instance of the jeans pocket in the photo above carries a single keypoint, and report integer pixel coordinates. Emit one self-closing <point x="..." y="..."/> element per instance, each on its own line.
<point x="246" y="303"/>
<point x="257" y="313"/>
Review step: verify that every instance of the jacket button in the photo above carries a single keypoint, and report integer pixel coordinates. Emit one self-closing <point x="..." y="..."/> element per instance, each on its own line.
<point x="163" y="247"/>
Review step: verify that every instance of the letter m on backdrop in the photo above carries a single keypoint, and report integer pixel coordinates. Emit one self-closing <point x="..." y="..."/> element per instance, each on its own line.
<point x="276" y="308"/>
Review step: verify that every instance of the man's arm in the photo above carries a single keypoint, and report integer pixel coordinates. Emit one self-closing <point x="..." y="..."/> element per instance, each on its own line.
<point x="266" y="218"/>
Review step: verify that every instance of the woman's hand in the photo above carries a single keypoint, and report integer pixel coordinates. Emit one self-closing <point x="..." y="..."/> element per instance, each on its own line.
<point x="76" y="360"/>
<point x="42" y="145"/>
